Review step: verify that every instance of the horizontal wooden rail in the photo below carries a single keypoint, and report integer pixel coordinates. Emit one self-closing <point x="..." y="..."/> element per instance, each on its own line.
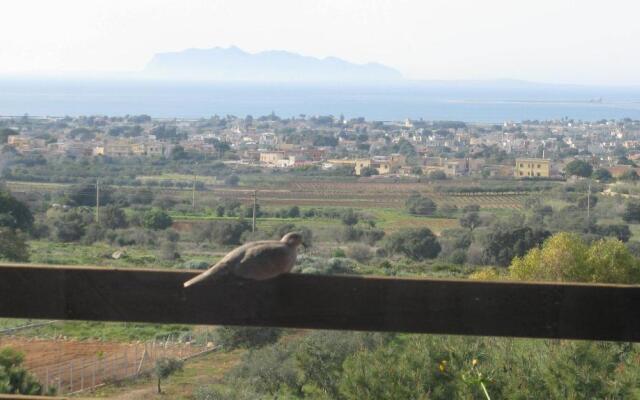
<point x="537" y="310"/>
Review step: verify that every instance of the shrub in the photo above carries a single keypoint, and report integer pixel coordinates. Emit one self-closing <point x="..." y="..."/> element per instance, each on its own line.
<point x="14" y="378"/>
<point x="156" y="219"/>
<point x="458" y="256"/>
<point x="14" y="213"/>
<point x="437" y="175"/>
<point x="13" y="245"/>
<point x="93" y="233"/>
<point x="632" y="212"/>
<point x="165" y="367"/>
<point x="113" y="217"/>
<point x="195" y="264"/>
<point x="70" y="226"/>
<point x="419" y="205"/>
<point x="565" y="257"/>
<point x="349" y="217"/>
<point x="232" y="180"/>
<point x="269" y="369"/>
<point x="417" y="244"/>
<point x="339" y="253"/>
<point x="579" y="168"/>
<point x="359" y="252"/>
<point x="233" y="337"/>
<point x="169" y="251"/>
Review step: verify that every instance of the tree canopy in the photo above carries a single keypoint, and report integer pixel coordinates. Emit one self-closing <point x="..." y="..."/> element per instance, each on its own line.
<point x="417" y="244"/>
<point x="14" y="378"/>
<point x="579" y="168"/>
<point x="566" y="257"/>
<point x="14" y="213"/>
<point x="419" y="205"/>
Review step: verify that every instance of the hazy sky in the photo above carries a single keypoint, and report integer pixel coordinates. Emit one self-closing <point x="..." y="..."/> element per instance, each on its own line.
<point x="593" y="42"/>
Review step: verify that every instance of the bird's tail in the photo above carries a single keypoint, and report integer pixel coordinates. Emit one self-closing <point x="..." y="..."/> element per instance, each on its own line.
<point x="199" y="278"/>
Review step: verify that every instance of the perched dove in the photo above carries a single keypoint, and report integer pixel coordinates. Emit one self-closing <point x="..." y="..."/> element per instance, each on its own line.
<point x="256" y="260"/>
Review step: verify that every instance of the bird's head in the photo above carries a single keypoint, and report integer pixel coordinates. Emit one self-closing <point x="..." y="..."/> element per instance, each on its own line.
<point x="292" y="239"/>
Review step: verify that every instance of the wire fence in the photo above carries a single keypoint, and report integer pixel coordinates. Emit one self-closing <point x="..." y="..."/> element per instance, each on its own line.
<point x="87" y="373"/>
<point x="76" y="366"/>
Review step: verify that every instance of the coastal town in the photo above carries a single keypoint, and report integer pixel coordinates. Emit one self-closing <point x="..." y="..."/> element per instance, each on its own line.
<point x="440" y="150"/>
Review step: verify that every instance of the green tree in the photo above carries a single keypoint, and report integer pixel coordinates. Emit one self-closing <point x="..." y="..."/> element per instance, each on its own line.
<point x="5" y="133"/>
<point x="437" y="175"/>
<point x="85" y="195"/>
<point x="417" y="244"/>
<point x="503" y="243"/>
<point x="602" y="175"/>
<point x="14" y="378"/>
<point x="113" y="217"/>
<point x="321" y="354"/>
<point x="579" y="168"/>
<point x="227" y="232"/>
<point x="630" y="176"/>
<point x="618" y="231"/>
<point x="14" y="213"/>
<point x="418" y="205"/>
<point x="248" y="337"/>
<point x="631" y="212"/>
<point x="13" y="245"/>
<point x="232" y="180"/>
<point x="156" y="219"/>
<point x="166" y="367"/>
<point x="368" y="171"/>
<point x="294" y="212"/>
<point x="470" y="220"/>
<point x="349" y="217"/>
<point x="70" y="226"/>
<point x="565" y="257"/>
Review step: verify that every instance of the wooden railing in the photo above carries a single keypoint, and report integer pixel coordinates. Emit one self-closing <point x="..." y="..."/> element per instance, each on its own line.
<point x="536" y="310"/>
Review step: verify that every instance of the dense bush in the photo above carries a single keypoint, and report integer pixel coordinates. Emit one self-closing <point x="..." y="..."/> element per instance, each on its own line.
<point x="13" y="245"/>
<point x="566" y="257"/>
<point x="233" y="337"/>
<point x="359" y="252"/>
<point x="419" y="205"/>
<point x="70" y="226"/>
<point x="14" y="378"/>
<point x="14" y="214"/>
<point x="157" y="219"/>
<point x="632" y="212"/>
<point x="417" y="244"/>
<point x="113" y="217"/>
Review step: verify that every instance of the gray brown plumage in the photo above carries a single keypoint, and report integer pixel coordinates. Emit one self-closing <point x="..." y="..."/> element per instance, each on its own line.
<point x="256" y="260"/>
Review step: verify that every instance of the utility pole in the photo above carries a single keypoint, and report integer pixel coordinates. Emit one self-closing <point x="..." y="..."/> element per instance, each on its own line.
<point x="255" y="203"/>
<point x="98" y="201"/>
<point x="193" y="193"/>
<point x="589" y="202"/>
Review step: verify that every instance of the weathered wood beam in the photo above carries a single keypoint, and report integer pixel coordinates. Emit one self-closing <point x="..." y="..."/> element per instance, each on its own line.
<point x="536" y="310"/>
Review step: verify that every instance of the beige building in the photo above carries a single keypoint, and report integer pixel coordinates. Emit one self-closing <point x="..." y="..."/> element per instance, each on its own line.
<point x="532" y="167"/>
<point x="271" y="157"/>
<point x="383" y="164"/>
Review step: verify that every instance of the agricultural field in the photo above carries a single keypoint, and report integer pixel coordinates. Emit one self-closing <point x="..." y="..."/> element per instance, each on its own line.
<point x="356" y="194"/>
<point x="71" y="365"/>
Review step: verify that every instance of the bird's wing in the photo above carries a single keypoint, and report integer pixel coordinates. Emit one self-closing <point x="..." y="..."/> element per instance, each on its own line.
<point x="264" y="261"/>
<point x="222" y="267"/>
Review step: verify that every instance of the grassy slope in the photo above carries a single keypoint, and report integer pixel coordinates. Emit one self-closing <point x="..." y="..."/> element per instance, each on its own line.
<point x="204" y="370"/>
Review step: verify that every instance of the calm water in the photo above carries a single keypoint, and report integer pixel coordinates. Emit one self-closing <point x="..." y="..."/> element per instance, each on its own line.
<point x="431" y="101"/>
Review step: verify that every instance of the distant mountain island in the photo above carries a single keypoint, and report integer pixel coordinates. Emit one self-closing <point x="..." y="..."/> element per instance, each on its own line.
<point x="234" y="64"/>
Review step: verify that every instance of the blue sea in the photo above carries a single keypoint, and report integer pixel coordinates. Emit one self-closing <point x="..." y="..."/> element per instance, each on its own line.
<point x="488" y="102"/>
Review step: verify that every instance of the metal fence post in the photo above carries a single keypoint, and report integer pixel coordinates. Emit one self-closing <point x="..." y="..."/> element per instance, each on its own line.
<point x="71" y="377"/>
